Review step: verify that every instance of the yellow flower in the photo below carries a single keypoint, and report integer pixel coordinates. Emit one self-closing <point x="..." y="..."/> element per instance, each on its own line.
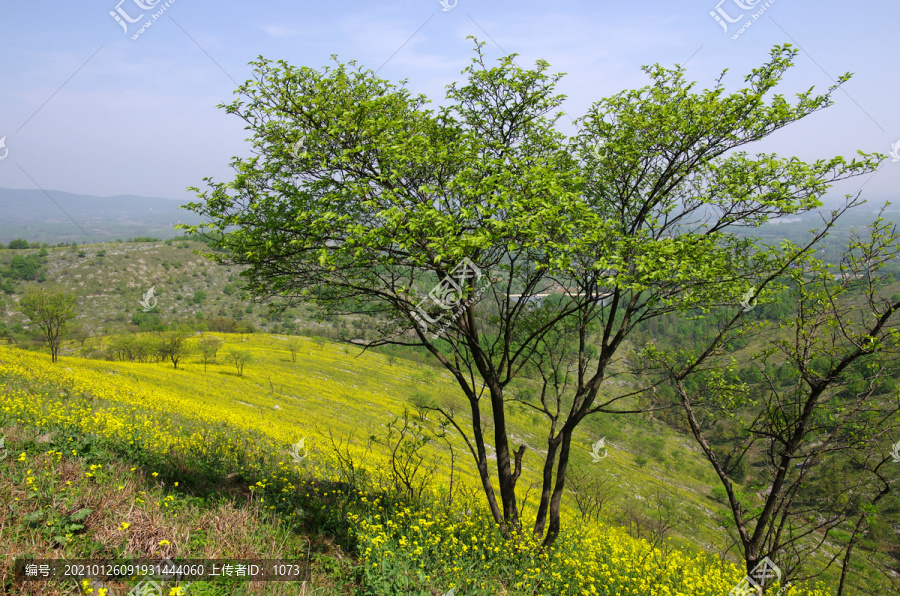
<point x="164" y="542"/>
<point x="124" y="526"/>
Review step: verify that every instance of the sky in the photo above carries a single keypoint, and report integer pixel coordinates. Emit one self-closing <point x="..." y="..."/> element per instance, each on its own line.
<point x="92" y="104"/>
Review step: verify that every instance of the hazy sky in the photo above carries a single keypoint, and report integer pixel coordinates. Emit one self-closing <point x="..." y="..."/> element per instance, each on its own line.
<point x="86" y="108"/>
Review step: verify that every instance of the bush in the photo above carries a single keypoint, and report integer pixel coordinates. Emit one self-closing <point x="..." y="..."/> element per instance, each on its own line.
<point x="24" y="268"/>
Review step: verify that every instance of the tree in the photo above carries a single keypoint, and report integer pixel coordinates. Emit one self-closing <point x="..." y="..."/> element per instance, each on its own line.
<point x="629" y="220"/>
<point x="816" y="435"/>
<point x="239" y="358"/>
<point x="293" y="348"/>
<point x="52" y="310"/>
<point x="18" y="243"/>
<point x="209" y="349"/>
<point x="244" y="328"/>
<point x="173" y="345"/>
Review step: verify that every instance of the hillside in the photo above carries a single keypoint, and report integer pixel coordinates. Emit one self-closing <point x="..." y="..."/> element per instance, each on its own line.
<point x="654" y="485"/>
<point x="276" y="403"/>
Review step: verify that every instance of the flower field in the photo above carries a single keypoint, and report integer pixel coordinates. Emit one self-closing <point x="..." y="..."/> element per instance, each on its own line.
<point x="185" y="420"/>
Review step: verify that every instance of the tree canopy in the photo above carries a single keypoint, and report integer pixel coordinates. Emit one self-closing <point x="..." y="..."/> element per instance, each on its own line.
<point x="505" y="248"/>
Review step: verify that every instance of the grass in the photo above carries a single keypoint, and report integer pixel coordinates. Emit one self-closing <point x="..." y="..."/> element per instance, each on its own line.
<point x="123" y="434"/>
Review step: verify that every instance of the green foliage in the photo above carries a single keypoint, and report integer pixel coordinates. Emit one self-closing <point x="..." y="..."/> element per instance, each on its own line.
<point x="148" y="321"/>
<point x="26" y="267"/>
<point x="59" y="527"/>
<point x="52" y="310"/>
<point x="637" y="214"/>
<point x="172" y="345"/>
<point x="239" y="358"/>
<point x="18" y="243"/>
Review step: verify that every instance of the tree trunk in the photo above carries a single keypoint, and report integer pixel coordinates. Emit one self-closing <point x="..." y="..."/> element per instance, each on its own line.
<point x="505" y="475"/>
<point x="546" y="483"/>
<point x="556" y="499"/>
<point x="481" y="463"/>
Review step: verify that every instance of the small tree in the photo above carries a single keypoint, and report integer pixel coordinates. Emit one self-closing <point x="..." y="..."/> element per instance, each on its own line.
<point x="244" y="328"/>
<point x="293" y="347"/>
<point x="592" y="491"/>
<point x="829" y="396"/>
<point x="173" y="346"/>
<point x="52" y="310"/>
<point x="207" y="354"/>
<point x="209" y="349"/>
<point x="239" y="358"/>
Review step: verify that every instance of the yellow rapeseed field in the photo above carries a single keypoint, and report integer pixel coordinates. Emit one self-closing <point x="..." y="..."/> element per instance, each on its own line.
<point x="276" y="403"/>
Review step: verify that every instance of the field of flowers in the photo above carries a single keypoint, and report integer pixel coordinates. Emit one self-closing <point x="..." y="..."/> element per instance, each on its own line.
<point x="229" y="424"/>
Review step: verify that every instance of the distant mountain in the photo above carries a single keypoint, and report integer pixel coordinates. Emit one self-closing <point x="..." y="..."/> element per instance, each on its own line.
<point x="57" y="216"/>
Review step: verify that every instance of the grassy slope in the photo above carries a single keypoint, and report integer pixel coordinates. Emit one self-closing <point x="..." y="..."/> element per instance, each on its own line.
<point x="335" y="388"/>
<point x="330" y="387"/>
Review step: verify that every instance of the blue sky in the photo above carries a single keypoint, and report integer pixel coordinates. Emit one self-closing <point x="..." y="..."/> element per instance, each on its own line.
<point x="85" y="108"/>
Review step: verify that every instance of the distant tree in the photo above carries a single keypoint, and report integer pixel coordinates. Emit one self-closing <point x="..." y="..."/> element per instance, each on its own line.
<point x="209" y="349"/>
<point x="244" y="328"/>
<point x="148" y="321"/>
<point x="23" y="267"/>
<point x="222" y="324"/>
<point x="207" y="354"/>
<point x="173" y="345"/>
<point x="52" y="310"/>
<point x="80" y="334"/>
<point x="293" y="347"/>
<point x="592" y="491"/>
<point x="18" y="243"/>
<point x="239" y="358"/>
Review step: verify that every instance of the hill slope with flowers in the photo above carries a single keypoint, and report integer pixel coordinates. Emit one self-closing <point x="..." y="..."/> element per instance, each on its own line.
<point x="211" y="431"/>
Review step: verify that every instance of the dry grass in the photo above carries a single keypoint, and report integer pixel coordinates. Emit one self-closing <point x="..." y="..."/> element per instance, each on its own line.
<point x="132" y="514"/>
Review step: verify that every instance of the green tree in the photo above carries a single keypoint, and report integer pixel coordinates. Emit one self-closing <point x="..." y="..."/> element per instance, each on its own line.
<point x="629" y="220"/>
<point x="18" y="243"/>
<point x="209" y="349"/>
<point x="833" y="399"/>
<point x="52" y="310"/>
<point x="173" y="346"/>
<point x="244" y="328"/>
<point x="239" y="358"/>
